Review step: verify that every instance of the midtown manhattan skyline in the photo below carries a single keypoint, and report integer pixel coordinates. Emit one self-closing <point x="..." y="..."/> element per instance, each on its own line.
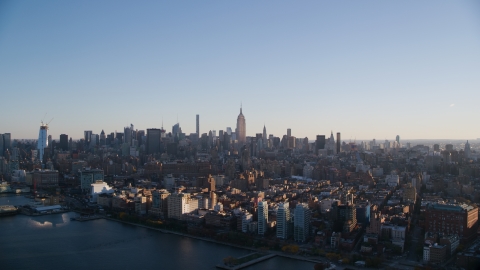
<point x="368" y="70"/>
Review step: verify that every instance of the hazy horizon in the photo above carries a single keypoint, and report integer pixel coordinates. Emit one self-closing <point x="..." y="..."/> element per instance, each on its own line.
<point x="379" y="140"/>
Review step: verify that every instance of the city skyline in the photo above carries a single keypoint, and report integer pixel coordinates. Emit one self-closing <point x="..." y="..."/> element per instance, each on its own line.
<point x="254" y="132"/>
<point x="168" y="129"/>
<point x="367" y="70"/>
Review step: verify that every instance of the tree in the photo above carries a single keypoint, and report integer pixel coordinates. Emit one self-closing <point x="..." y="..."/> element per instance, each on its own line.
<point x="290" y="249"/>
<point x="373" y="262"/>
<point x="230" y="260"/>
<point x="333" y="257"/>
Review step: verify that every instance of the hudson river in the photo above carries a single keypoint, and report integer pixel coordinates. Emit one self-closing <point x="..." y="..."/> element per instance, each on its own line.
<point x="55" y="242"/>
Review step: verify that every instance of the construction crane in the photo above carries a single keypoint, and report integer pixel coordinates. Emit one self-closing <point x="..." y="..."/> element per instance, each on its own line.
<point x="42" y="121"/>
<point x="26" y="154"/>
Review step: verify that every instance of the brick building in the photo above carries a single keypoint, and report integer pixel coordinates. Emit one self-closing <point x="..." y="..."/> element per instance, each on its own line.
<point x="452" y="219"/>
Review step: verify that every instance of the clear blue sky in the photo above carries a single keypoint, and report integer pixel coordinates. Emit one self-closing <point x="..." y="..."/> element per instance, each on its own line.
<point x="369" y="69"/>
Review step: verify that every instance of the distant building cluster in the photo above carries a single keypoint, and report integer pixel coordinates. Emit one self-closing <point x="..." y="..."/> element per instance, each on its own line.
<point x="368" y="197"/>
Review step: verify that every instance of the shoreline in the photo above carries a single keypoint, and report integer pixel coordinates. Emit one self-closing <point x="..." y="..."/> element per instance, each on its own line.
<point x="181" y="234"/>
<point x="313" y="260"/>
<point x="277" y="253"/>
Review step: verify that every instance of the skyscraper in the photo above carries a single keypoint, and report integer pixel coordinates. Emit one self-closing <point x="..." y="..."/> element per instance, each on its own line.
<point x="153" y="140"/>
<point x="140" y="137"/>
<point x="127" y="137"/>
<point x="2" y="149"/>
<point x="264" y="136"/>
<point x="42" y="140"/>
<point x="338" y="142"/>
<point x="283" y="220"/>
<point x="346" y="215"/>
<point x="301" y="227"/>
<point x="289" y="132"/>
<point x="87" y="136"/>
<point x="103" y="138"/>
<point x="398" y="139"/>
<point x="262" y="217"/>
<point x="319" y="143"/>
<point x="198" y="126"/>
<point x="176" y="130"/>
<point x="330" y="145"/>
<point x="210" y="138"/>
<point x="241" y="131"/>
<point x="64" y="142"/>
<point x="7" y="141"/>
<point x="467" y="150"/>
<point x="220" y="135"/>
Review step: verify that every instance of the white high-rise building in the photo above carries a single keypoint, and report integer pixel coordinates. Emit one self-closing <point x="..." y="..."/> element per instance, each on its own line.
<point x="42" y="140"/>
<point x="179" y="204"/>
<point x="301" y="226"/>
<point x="283" y="220"/>
<point x="191" y="205"/>
<point x="262" y="217"/>
<point x="176" y="203"/>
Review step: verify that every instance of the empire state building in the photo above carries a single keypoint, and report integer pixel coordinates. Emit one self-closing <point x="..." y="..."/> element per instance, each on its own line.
<point x="241" y="130"/>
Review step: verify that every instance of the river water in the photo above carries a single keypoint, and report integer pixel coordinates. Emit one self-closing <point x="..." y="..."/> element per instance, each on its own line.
<point x="55" y="242"/>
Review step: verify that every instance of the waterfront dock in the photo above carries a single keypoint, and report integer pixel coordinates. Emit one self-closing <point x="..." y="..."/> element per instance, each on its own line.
<point x="247" y="263"/>
<point x="8" y="210"/>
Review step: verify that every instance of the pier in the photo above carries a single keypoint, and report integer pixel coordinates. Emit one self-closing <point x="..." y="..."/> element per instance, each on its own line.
<point x="86" y="218"/>
<point x="256" y="258"/>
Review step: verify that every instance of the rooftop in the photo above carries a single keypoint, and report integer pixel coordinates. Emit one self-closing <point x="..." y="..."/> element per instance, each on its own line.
<point x="451" y="207"/>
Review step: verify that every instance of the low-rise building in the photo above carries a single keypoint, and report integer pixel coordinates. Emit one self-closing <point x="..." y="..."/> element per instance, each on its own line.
<point x="97" y="188"/>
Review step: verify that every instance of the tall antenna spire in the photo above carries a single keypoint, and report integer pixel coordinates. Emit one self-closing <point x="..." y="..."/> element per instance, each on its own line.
<point x="240" y="107"/>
